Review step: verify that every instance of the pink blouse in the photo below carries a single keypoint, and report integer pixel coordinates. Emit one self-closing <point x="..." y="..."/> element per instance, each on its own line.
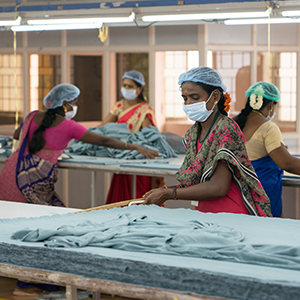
<point x="58" y="137"/>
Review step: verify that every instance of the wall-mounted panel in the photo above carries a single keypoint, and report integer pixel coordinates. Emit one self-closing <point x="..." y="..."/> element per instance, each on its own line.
<point x="225" y="34"/>
<point x="7" y="39"/>
<point x="281" y="34"/>
<point x="83" y="37"/>
<point x="128" y="36"/>
<point x="44" y="38"/>
<point x="184" y="34"/>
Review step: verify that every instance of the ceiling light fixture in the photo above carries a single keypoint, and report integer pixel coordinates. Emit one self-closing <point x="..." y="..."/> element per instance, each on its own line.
<point x="291" y="13"/>
<point x="211" y="16"/>
<point x="56" y="27"/>
<point x="11" y="23"/>
<point x="261" y="21"/>
<point x="81" y="21"/>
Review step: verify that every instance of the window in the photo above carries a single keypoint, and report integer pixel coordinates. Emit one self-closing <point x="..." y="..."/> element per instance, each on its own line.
<point x="282" y="72"/>
<point x="176" y="63"/>
<point x="234" y="68"/>
<point x="8" y="85"/>
<point x="45" y="73"/>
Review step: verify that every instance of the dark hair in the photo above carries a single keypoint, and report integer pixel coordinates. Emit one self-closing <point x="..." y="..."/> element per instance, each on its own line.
<point x="209" y="89"/>
<point x="37" y="143"/>
<point x="141" y="94"/>
<point x="242" y="117"/>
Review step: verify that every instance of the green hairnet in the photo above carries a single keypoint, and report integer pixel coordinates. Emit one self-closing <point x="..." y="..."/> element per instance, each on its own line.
<point x="265" y="89"/>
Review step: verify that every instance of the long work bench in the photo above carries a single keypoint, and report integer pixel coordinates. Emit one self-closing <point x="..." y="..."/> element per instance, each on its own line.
<point x="157" y="167"/>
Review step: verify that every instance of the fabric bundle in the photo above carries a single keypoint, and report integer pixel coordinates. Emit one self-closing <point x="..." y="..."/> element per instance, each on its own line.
<point x="148" y="137"/>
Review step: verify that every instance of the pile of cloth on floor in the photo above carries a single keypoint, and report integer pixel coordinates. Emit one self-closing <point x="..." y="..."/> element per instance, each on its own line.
<point x="148" y="137"/>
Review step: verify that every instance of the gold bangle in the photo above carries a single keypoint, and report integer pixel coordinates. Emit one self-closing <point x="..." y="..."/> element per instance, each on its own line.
<point x="165" y="187"/>
<point x="125" y="145"/>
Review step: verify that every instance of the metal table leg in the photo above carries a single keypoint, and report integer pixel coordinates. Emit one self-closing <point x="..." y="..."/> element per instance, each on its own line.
<point x="96" y="295"/>
<point x="93" y="188"/>
<point x="133" y="186"/>
<point x="71" y="292"/>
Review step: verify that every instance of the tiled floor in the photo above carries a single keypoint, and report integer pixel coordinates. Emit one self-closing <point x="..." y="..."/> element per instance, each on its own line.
<point x="7" y="285"/>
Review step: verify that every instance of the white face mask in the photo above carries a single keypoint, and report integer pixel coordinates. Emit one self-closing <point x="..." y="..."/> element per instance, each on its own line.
<point x="71" y="114"/>
<point x="269" y="118"/>
<point x="128" y="94"/>
<point x="198" y="111"/>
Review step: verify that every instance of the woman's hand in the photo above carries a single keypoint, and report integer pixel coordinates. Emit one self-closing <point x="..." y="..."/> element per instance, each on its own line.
<point x="146" y="152"/>
<point x="158" y="196"/>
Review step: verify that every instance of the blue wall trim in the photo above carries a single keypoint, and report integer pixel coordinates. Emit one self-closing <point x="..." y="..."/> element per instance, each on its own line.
<point x="108" y="5"/>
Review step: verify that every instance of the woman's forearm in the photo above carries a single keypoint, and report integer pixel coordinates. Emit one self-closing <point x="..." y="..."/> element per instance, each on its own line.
<point x="111" y="142"/>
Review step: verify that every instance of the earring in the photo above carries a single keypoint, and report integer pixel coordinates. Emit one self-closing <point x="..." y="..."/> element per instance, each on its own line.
<point x="215" y="102"/>
<point x="65" y="109"/>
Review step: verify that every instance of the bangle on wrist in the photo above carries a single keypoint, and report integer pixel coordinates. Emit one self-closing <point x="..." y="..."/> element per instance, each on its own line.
<point x="125" y="145"/>
<point x="175" y="193"/>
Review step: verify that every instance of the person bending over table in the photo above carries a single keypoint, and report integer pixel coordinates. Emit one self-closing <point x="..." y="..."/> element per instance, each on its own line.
<point x="216" y="170"/>
<point x="30" y="173"/>
<point x="133" y="110"/>
<point x="266" y="150"/>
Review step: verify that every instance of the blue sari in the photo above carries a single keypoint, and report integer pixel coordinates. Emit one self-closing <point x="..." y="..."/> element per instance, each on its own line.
<point x="35" y="176"/>
<point x="270" y="176"/>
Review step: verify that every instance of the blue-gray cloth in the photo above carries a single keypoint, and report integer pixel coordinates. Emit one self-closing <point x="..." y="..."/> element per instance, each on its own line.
<point x="148" y="137"/>
<point x="141" y="233"/>
<point x="214" y="277"/>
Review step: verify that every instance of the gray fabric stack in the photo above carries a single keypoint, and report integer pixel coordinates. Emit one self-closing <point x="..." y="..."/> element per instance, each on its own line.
<point x="148" y="137"/>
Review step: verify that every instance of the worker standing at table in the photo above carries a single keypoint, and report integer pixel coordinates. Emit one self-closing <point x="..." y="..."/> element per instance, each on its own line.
<point x="216" y="171"/>
<point x="264" y="144"/>
<point x="135" y="111"/>
<point x="30" y="173"/>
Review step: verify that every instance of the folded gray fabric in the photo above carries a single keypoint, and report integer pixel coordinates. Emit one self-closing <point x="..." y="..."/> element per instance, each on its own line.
<point x="148" y="137"/>
<point x="145" y="234"/>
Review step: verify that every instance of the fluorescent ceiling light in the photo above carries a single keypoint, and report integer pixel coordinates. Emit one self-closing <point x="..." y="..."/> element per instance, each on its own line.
<point x="11" y="23"/>
<point x="261" y="21"/>
<point x="81" y="21"/>
<point x="56" y="27"/>
<point x="213" y="16"/>
<point x="291" y="13"/>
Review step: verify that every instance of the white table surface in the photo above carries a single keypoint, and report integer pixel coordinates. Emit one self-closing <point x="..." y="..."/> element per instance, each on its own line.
<point x="10" y="210"/>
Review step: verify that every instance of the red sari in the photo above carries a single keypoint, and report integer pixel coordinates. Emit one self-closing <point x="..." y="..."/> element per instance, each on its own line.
<point x="120" y="188"/>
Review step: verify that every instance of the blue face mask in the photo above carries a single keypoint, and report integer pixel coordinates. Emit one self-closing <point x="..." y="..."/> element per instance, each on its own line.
<point x="128" y="94"/>
<point x="198" y="111"/>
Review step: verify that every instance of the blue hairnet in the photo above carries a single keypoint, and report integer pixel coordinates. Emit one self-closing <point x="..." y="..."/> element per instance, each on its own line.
<point x="265" y="89"/>
<point x="60" y="93"/>
<point x="204" y="75"/>
<point x="136" y="76"/>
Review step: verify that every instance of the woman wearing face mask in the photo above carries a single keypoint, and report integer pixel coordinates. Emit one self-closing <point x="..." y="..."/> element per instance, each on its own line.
<point x="216" y="171"/>
<point x="133" y="110"/>
<point x="264" y="144"/>
<point x="29" y="174"/>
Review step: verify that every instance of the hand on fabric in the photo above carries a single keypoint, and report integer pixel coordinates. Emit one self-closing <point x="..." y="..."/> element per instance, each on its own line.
<point x="158" y="196"/>
<point x="146" y="152"/>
